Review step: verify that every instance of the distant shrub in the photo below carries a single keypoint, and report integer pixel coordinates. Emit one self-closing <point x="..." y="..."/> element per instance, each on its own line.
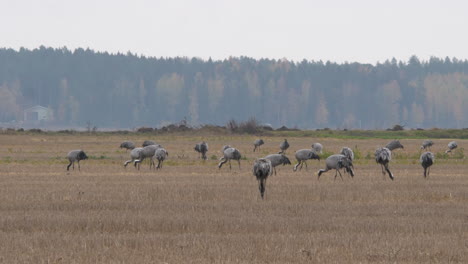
<point x="459" y="154"/>
<point x="267" y="127"/>
<point x="98" y="157"/>
<point x="357" y="153"/>
<point x="232" y="125"/>
<point x="67" y="131"/>
<point x="408" y="156"/>
<point x="145" y="130"/>
<point x="251" y="126"/>
<point x="441" y="155"/>
<point x="175" y="128"/>
<point x="326" y="154"/>
<point x="212" y="129"/>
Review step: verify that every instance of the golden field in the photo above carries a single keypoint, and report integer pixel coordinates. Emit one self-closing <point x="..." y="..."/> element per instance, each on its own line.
<point x="191" y="212"/>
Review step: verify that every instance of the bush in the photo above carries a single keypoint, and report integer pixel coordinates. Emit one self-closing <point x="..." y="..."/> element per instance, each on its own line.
<point x="357" y="153"/>
<point x="325" y="154"/>
<point x="145" y="130"/>
<point x="396" y="128"/>
<point x="250" y="126"/>
<point x="232" y="125"/>
<point x="71" y="131"/>
<point x="459" y="154"/>
<point x="441" y="155"/>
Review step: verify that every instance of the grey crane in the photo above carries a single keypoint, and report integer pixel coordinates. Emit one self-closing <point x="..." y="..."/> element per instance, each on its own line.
<point x="348" y="152"/>
<point x="229" y="153"/>
<point x="303" y="155"/>
<point x="278" y="159"/>
<point x="134" y="155"/>
<point x="427" y="144"/>
<point x="337" y="162"/>
<point x="383" y="156"/>
<point x="427" y="159"/>
<point x="202" y="148"/>
<point x="146" y="152"/>
<point x="317" y="147"/>
<point x="261" y="170"/>
<point x="148" y="143"/>
<point x="451" y="146"/>
<point x="127" y="145"/>
<point x="76" y="155"/>
<point x="394" y="144"/>
<point x="160" y="154"/>
<point x="284" y="146"/>
<point x="257" y="143"/>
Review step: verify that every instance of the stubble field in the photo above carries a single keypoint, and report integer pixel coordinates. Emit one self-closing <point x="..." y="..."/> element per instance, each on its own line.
<point x="191" y="212"/>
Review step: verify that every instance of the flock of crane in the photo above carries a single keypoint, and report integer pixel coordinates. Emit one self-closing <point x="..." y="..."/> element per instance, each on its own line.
<point x="266" y="166"/>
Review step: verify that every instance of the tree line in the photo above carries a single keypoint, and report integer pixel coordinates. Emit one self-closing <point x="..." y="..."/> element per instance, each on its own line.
<point x="127" y="90"/>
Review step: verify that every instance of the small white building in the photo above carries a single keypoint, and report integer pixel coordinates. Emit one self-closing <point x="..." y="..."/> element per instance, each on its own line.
<point x="36" y="113"/>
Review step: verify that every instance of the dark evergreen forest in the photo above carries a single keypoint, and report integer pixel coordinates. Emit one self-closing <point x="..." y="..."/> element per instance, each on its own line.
<point x="127" y="91"/>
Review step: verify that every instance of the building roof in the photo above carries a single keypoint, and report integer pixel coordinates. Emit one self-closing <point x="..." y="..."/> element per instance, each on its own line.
<point x="36" y="108"/>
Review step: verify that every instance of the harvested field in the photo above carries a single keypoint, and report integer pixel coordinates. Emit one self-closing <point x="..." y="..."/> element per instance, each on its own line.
<point x="191" y="212"/>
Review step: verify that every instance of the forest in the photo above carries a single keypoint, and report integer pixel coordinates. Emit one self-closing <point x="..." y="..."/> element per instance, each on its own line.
<point x="125" y="91"/>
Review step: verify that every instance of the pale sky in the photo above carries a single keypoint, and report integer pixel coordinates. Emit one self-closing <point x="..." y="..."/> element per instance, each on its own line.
<point x="365" y="31"/>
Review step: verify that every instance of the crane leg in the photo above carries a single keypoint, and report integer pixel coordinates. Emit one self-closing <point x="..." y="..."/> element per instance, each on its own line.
<point x="223" y="160"/>
<point x="340" y="175"/>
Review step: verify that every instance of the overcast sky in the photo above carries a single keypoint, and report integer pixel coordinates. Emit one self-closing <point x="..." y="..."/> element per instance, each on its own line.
<point x="365" y="31"/>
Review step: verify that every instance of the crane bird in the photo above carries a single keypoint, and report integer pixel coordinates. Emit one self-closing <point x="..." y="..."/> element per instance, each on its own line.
<point x="127" y="145"/>
<point x="134" y="155"/>
<point x="303" y="155"/>
<point x="278" y="159"/>
<point x="451" y="146"/>
<point x="146" y="152"/>
<point x="284" y="146"/>
<point x="427" y="144"/>
<point x="348" y="153"/>
<point x="202" y="148"/>
<point x="383" y="157"/>
<point x="76" y="155"/>
<point x="261" y="170"/>
<point x="317" y="147"/>
<point x="337" y="162"/>
<point x="394" y="144"/>
<point x="148" y="143"/>
<point x="427" y="159"/>
<point x="257" y="143"/>
<point x="229" y="153"/>
<point x="160" y="154"/>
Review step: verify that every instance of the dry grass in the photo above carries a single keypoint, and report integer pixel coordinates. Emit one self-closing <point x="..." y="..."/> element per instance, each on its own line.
<point x="191" y="212"/>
